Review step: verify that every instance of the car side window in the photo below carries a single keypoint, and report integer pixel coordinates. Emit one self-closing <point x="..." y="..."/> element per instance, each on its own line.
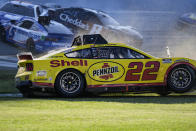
<point x="103" y="53"/>
<point x="85" y="53"/>
<point x="26" y="24"/>
<point x="116" y="53"/>
<point x="126" y="53"/>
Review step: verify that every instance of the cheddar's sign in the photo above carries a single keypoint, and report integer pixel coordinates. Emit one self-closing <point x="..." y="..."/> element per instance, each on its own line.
<point x="57" y="63"/>
<point x="106" y="71"/>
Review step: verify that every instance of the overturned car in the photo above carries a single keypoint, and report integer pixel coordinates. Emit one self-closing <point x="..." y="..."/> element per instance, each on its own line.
<point x="89" y="21"/>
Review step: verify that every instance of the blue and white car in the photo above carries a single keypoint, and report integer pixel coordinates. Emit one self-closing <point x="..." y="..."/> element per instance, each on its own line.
<point x="20" y="23"/>
<point x="15" y="10"/>
<point x="38" y="35"/>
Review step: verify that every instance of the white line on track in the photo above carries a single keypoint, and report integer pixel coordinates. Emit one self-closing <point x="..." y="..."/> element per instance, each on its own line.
<point x="11" y="95"/>
<point x="8" y="64"/>
<point x="8" y="58"/>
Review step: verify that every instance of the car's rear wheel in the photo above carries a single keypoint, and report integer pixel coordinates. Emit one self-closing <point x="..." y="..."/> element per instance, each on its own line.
<point x="2" y="33"/>
<point x="70" y="83"/>
<point x="30" y="45"/>
<point x="181" y="79"/>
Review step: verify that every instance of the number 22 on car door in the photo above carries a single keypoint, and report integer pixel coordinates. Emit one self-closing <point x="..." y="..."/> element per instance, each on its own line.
<point x="142" y="71"/>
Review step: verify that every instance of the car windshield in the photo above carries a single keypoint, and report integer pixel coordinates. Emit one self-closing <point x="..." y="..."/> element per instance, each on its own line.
<point x="107" y="20"/>
<point x="18" y="9"/>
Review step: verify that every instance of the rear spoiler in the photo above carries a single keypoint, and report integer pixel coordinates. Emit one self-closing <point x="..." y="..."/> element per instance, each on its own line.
<point x="25" y="56"/>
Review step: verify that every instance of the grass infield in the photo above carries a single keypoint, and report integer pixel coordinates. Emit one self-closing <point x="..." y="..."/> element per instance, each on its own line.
<point x="153" y="113"/>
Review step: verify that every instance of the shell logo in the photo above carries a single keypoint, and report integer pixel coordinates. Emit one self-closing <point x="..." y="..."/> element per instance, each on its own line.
<point x="106" y="71"/>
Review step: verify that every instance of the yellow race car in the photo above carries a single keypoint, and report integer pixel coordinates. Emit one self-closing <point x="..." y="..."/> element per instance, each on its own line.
<point x="92" y="65"/>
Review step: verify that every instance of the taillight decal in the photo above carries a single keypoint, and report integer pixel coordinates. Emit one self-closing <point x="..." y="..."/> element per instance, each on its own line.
<point x="29" y="67"/>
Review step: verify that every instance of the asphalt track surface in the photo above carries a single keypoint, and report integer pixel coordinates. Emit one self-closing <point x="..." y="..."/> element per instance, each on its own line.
<point x="156" y="20"/>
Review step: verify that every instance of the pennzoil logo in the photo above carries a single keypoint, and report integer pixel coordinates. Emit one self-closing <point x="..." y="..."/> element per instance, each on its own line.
<point x="106" y="71"/>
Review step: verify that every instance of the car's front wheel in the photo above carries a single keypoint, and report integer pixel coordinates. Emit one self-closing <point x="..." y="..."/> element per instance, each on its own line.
<point x="181" y="79"/>
<point x="70" y="83"/>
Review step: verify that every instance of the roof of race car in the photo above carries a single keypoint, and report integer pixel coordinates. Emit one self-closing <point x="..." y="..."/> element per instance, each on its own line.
<point x="53" y="27"/>
<point x="26" y="4"/>
<point x="75" y="48"/>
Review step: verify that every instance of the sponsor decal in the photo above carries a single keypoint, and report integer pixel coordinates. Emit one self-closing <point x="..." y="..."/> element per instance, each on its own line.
<point x="42" y="38"/>
<point x="181" y="60"/>
<point x="76" y="22"/>
<point x="167" y="60"/>
<point x="57" y="63"/>
<point x="41" y="73"/>
<point x="106" y="71"/>
<point x="50" y="78"/>
<point x="34" y="36"/>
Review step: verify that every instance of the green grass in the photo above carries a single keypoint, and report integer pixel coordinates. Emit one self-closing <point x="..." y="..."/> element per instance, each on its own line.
<point x="133" y="113"/>
<point x="7" y="82"/>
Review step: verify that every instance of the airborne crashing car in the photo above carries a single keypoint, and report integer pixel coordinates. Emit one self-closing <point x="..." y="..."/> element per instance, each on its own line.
<point x="94" y="65"/>
<point x="40" y="36"/>
<point x="89" y="21"/>
<point x="15" y="10"/>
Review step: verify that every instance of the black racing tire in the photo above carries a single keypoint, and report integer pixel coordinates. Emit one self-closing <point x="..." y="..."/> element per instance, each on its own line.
<point x="2" y="33"/>
<point x="163" y="91"/>
<point x="70" y="83"/>
<point x="181" y="79"/>
<point x="30" y="45"/>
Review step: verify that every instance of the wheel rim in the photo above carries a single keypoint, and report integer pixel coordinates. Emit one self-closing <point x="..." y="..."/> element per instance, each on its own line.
<point x="70" y="82"/>
<point x="181" y="78"/>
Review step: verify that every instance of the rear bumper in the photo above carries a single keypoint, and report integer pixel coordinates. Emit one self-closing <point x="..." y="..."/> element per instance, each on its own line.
<point x="27" y="84"/>
<point x="23" y="84"/>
